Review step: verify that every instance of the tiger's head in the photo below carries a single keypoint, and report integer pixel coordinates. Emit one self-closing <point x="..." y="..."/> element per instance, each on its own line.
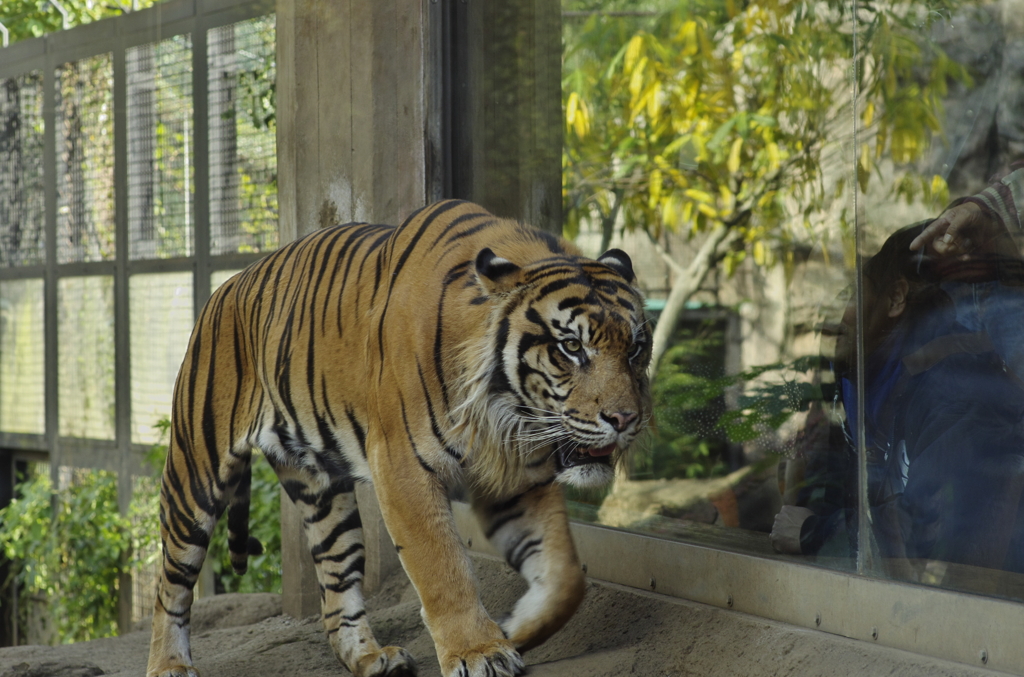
<point x="566" y="371"/>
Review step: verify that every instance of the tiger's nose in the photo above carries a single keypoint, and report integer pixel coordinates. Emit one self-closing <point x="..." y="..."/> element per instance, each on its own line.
<point x="619" y="420"/>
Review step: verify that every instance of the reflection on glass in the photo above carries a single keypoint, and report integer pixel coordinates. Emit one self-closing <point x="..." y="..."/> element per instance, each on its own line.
<point x="715" y="144"/>
<point x="85" y="352"/>
<point x="695" y="144"/>
<point x="160" y="143"/>
<point x="22" y="371"/>
<point x="161" y="322"/>
<point x="942" y="399"/>
<point x="243" y="145"/>
<point x="22" y="211"/>
<point x="85" y="160"/>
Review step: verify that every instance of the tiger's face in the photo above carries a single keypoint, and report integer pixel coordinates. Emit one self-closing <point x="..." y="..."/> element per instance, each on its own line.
<point x="574" y="353"/>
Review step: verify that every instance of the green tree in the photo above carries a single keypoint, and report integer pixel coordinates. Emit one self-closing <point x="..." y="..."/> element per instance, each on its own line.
<point x="74" y="557"/>
<point x="33" y="18"/>
<point x="713" y="118"/>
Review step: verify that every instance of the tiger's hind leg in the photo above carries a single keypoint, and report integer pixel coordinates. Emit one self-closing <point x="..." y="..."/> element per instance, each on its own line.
<point x="532" y="531"/>
<point x="194" y="492"/>
<point x="335" y="534"/>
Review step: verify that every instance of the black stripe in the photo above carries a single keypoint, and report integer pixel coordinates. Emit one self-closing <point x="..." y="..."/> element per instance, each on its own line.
<point x="499" y="380"/>
<point x="342" y="587"/>
<point x="348" y="524"/>
<point x="341" y="557"/>
<point x="357" y="429"/>
<point x="437" y="211"/>
<point x="458" y="221"/>
<point x="518" y="556"/>
<point x="433" y="419"/>
<point x="412" y="442"/>
<point x="497" y="524"/>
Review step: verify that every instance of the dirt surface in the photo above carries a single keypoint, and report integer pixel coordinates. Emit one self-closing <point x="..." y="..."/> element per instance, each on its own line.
<point x="617" y="631"/>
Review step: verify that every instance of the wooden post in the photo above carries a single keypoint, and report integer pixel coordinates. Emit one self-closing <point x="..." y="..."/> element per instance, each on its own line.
<point x="380" y="99"/>
<point x="351" y="146"/>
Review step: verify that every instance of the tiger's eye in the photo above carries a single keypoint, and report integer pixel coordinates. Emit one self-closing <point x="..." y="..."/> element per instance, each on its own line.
<point x="572" y="345"/>
<point x="635" y="350"/>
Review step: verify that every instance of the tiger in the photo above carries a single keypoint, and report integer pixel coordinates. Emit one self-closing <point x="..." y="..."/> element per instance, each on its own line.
<point x="455" y="350"/>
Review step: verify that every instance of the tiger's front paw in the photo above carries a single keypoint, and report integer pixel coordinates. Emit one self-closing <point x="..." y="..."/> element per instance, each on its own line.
<point x="390" y="661"/>
<point x="174" y="671"/>
<point x="495" y="659"/>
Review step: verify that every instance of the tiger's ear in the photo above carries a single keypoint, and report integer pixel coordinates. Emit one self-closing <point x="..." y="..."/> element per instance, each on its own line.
<point x="619" y="261"/>
<point x="497" y="275"/>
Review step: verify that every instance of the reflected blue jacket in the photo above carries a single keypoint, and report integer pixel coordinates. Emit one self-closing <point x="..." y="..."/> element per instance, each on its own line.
<point x="945" y="433"/>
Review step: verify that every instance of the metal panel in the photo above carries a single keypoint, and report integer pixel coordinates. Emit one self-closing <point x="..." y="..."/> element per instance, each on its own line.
<point x="22" y="57"/>
<point x="50" y="320"/>
<point x="64" y="46"/>
<point x="87" y="366"/>
<point x="200" y="96"/>
<point x="158" y="116"/>
<point x="86" y="268"/>
<point x="161" y="318"/>
<point x="160" y="21"/>
<point x="86" y="35"/>
<point x="242" y="148"/>
<point x="223" y="12"/>
<point x="82" y="452"/>
<point x="22" y="272"/>
<point x="22" y="442"/>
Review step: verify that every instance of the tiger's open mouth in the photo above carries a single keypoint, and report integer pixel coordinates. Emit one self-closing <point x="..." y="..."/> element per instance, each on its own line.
<point x="571" y="454"/>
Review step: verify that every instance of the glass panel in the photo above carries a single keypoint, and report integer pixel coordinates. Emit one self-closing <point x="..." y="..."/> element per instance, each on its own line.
<point x="243" y="147"/>
<point x="941" y="353"/>
<point x="22" y="370"/>
<point x="22" y="212"/>
<point x="161" y="322"/>
<point x="837" y="282"/>
<point x="160" y="167"/>
<point x="85" y="373"/>
<point x="716" y="160"/>
<point x="85" y="160"/>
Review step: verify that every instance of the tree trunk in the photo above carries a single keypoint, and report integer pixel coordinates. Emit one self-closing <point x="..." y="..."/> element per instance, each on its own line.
<point x="686" y="283"/>
<point x="608" y="221"/>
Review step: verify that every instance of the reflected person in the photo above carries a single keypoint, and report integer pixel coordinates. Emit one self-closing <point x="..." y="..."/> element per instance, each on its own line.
<point x="945" y="451"/>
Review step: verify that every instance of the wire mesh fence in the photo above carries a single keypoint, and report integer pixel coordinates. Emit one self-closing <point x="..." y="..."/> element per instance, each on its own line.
<point x="85" y="160"/>
<point x="160" y="311"/>
<point x="22" y="362"/>
<point x="159" y="124"/>
<point x="98" y="142"/>
<point x="242" y="123"/>
<point x="22" y="137"/>
<point x="161" y="140"/>
<point x="85" y="374"/>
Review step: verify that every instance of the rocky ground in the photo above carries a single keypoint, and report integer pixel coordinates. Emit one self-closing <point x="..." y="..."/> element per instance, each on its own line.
<point x="618" y="631"/>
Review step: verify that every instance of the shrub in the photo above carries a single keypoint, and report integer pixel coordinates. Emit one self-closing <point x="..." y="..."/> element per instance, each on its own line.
<point x="72" y="546"/>
<point x="73" y="557"/>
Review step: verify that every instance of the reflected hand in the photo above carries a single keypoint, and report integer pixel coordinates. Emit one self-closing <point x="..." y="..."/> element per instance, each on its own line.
<point x="964" y="230"/>
<point x="785" y="536"/>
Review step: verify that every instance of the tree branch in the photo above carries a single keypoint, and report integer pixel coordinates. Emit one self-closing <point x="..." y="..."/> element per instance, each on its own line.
<point x="686" y="285"/>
